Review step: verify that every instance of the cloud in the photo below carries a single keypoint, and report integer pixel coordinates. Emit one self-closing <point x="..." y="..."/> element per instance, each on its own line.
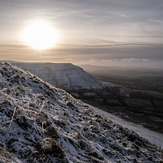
<point x="127" y="62"/>
<point x="134" y="60"/>
<point x="124" y="60"/>
<point x="89" y="19"/>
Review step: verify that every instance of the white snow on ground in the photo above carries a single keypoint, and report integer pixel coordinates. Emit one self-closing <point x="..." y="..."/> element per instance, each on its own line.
<point x="42" y="124"/>
<point x="153" y="137"/>
<point x="64" y="75"/>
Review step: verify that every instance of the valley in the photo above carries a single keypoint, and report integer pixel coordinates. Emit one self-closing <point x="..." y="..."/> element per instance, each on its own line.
<point x="141" y="107"/>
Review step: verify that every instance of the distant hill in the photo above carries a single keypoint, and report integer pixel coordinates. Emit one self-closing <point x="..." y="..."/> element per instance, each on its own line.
<point x="63" y="75"/>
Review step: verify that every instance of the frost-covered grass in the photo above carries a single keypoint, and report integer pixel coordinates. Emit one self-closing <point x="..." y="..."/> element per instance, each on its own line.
<point x="151" y="136"/>
<point x="40" y="123"/>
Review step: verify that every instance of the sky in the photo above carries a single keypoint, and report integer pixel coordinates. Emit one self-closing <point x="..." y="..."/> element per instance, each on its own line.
<point x="99" y="32"/>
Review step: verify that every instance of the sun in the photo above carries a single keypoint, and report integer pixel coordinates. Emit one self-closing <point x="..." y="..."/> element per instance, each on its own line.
<point x="40" y="35"/>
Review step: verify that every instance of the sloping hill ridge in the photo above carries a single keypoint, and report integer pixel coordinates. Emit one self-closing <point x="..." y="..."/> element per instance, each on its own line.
<point x="132" y="105"/>
<point x="40" y="123"/>
<point x="63" y="75"/>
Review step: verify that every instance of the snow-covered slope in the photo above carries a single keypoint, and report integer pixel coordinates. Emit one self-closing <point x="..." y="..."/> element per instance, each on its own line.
<point x="153" y="137"/>
<point x="63" y="75"/>
<point x="144" y="109"/>
<point x="40" y="123"/>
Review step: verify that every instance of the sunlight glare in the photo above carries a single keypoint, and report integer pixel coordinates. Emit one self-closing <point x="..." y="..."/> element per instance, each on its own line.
<point x="40" y="35"/>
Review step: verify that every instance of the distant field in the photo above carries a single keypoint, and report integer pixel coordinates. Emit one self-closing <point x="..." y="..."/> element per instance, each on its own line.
<point x="148" y="84"/>
<point x="140" y="79"/>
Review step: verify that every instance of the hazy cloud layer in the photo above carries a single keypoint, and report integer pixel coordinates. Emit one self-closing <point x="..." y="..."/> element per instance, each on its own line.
<point x="125" y="56"/>
<point x="91" y="29"/>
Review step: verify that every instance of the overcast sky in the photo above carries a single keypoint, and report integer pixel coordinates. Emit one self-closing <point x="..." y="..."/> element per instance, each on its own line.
<point x="92" y="31"/>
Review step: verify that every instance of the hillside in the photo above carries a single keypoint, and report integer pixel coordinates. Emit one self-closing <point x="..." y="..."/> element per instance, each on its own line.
<point x="40" y="123"/>
<point x="63" y="75"/>
<point x="138" y="107"/>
